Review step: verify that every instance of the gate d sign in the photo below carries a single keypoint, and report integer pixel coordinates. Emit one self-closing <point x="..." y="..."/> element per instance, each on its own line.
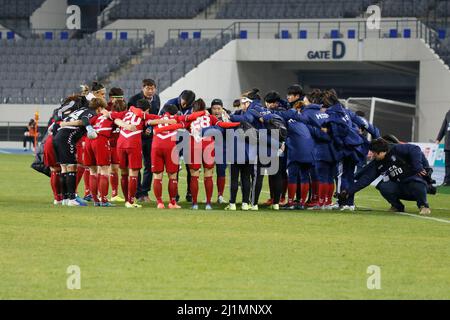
<point x="337" y="52"/>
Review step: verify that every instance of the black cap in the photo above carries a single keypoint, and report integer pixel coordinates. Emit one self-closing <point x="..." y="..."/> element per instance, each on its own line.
<point x="216" y="102"/>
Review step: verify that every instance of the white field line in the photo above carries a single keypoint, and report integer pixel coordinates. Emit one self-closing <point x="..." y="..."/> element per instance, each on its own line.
<point x="408" y="214"/>
<point x="423" y="217"/>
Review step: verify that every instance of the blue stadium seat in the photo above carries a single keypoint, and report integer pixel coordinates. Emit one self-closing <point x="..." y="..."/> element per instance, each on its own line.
<point x="303" y="34"/>
<point x="285" y="34"/>
<point x="123" y="35"/>
<point x="243" y="34"/>
<point x="351" y="34"/>
<point x="407" y="33"/>
<point x="334" y="34"/>
<point x="48" y="35"/>
<point x="197" y="35"/>
<point x="393" y="33"/>
<point x="108" y="35"/>
<point x="64" y="35"/>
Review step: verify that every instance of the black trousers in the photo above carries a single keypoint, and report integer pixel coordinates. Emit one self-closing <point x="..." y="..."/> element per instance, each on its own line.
<point x="393" y="192"/>
<point x="27" y="139"/>
<point x="447" y="167"/>
<point x="276" y="184"/>
<point x="257" y="180"/>
<point x="244" y="171"/>
<point x="145" y="180"/>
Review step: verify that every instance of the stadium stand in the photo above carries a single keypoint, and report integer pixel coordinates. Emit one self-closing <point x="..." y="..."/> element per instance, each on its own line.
<point x="15" y="14"/>
<point x="44" y="71"/>
<point x="290" y="9"/>
<point x="158" y="9"/>
<point x="170" y="62"/>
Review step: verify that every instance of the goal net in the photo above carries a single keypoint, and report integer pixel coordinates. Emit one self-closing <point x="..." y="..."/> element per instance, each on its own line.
<point x="391" y="117"/>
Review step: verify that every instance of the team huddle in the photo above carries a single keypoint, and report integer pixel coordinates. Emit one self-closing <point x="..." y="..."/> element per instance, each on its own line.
<point x="315" y="146"/>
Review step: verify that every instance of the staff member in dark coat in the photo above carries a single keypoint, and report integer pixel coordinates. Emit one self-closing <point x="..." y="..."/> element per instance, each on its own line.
<point x="445" y="131"/>
<point x="404" y="171"/>
<point x="148" y="93"/>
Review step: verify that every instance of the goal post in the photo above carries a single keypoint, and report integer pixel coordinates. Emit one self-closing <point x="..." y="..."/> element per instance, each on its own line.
<point x="390" y="116"/>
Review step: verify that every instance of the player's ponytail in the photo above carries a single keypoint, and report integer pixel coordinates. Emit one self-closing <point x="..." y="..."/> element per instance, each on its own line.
<point x="329" y="98"/>
<point x="199" y="105"/>
<point x="252" y="94"/>
<point x="119" y="106"/>
<point x="97" y="103"/>
<point x="96" y="86"/>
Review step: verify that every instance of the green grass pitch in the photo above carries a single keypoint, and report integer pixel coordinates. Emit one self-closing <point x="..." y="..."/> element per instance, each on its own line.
<point x="149" y="254"/>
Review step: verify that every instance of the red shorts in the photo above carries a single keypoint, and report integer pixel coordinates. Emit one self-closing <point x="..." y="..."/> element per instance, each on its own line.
<point x="130" y="158"/>
<point x="80" y="151"/>
<point x="163" y="157"/>
<point x="114" y="157"/>
<point x="49" y="153"/>
<point x="202" y="154"/>
<point x="97" y="152"/>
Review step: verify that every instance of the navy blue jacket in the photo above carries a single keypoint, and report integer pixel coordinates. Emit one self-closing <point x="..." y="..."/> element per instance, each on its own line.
<point x="177" y="102"/>
<point x="251" y="115"/>
<point x="401" y="164"/>
<point x="299" y="142"/>
<point x="323" y="150"/>
<point x="347" y="142"/>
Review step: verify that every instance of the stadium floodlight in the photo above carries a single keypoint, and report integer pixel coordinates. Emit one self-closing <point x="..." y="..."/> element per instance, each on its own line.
<point x="390" y="116"/>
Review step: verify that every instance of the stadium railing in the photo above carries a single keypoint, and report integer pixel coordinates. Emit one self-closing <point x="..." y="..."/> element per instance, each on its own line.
<point x="303" y="29"/>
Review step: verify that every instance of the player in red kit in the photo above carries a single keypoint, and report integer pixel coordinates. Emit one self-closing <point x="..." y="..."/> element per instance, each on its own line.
<point x="97" y="157"/>
<point x="116" y="103"/>
<point x="50" y="161"/>
<point x="201" y="150"/>
<point x="129" y="148"/>
<point x="165" y="154"/>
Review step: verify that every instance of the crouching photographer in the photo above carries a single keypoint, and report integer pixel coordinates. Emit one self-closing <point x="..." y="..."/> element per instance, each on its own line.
<point x="405" y="171"/>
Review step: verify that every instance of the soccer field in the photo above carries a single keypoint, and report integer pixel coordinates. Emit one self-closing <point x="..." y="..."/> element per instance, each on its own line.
<point x="149" y="254"/>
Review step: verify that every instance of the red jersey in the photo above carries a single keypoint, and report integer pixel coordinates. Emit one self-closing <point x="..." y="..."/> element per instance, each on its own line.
<point x="200" y="123"/>
<point x="131" y="139"/>
<point x="104" y="126"/>
<point x="166" y="139"/>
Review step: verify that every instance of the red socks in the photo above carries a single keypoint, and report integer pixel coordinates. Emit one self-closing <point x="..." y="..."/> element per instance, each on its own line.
<point x="220" y="185"/>
<point x="124" y="185"/>
<point x="157" y="189"/>
<point x="132" y="188"/>
<point x="54" y="183"/>
<point x="194" y="189"/>
<point x="209" y="187"/>
<point x="93" y="186"/>
<point x="114" y="179"/>
<point x="323" y="193"/>
<point x="103" y="186"/>
<point x="80" y="172"/>
<point x="304" y="189"/>
<point x="292" y="191"/>
<point x="330" y="193"/>
<point x="315" y="191"/>
<point x="173" y="190"/>
<point x="87" y="181"/>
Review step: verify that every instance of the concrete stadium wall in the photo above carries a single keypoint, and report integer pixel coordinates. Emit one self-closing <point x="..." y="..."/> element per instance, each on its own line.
<point x="216" y="77"/>
<point x="219" y="76"/>
<point x="50" y="15"/>
<point x="267" y="29"/>
<point x="22" y="113"/>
